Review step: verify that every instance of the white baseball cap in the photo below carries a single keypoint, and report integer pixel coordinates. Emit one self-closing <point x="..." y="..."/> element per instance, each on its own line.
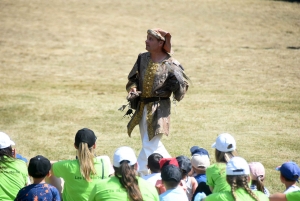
<point x="200" y="161"/>
<point x="5" y="141"/>
<point x="223" y="143"/>
<point x="124" y="154"/>
<point x="237" y="166"/>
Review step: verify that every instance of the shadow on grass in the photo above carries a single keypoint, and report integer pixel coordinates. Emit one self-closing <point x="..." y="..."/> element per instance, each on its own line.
<point x="291" y="1"/>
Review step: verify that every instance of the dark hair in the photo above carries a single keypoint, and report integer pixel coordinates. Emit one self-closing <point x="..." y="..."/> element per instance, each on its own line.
<point x="6" y="154"/>
<point x="239" y="181"/>
<point x="127" y="177"/>
<point x="171" y="184"/>
<point x="153" y="162"/>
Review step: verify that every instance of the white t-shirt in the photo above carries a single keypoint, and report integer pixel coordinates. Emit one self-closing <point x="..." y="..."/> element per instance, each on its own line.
<point x="291" y="189"/>
<point x="173" y="194"/>
<point x="152" y="178"/>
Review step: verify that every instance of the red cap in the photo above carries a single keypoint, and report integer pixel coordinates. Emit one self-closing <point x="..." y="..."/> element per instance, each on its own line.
<point x="168" y="161"/>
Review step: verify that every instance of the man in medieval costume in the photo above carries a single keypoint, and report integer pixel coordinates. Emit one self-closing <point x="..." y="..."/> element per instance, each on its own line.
<point x="155" y="76"/>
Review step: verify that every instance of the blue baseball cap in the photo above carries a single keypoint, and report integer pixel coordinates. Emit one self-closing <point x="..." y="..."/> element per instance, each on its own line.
<point x="290" y="170"/>
<point x="199" y="151"/>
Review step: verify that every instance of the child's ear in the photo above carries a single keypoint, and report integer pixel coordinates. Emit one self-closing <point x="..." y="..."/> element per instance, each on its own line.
<point x="248" y="178"/>
<point x="49" y="174"/>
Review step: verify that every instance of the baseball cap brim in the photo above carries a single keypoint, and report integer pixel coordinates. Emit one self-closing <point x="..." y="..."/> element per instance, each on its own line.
<point x="12" y="143"/>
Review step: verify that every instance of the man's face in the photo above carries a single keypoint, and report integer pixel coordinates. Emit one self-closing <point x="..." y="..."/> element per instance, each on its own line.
<point x="153" y="44"/>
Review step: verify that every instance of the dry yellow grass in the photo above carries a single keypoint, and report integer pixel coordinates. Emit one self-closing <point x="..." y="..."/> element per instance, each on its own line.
<point x="64" y="65"/>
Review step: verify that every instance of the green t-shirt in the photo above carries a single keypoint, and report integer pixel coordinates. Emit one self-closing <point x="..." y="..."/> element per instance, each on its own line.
<point x="216" y="177"/>
<point x="111" y="190"/>
<point x="75" y="186"/>
<point x="240" y="193"/>
<point x="293" y="196"/>
<point x="13" y="177"/>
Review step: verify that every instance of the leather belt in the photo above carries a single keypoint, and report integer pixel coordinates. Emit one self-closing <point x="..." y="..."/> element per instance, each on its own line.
<point x="153" y="99"/>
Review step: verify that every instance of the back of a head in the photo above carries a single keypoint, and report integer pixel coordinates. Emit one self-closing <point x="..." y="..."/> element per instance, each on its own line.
<point x="85" y="139"/>
<point x="153" y="162"/>
<point x="184" y="164"/>
<point x="257" y="173"/>
<point x="225" y="146"/>
<point x="200" y="162"/>
<point x="237" y="175"/>
<point x="5" y="147"/>
<point x="171" y="176"/>
<point x="290" y="171"/>
<point x="168" y="161"/>
<point x="39" y="167"/>
<point x="124" y="161"/>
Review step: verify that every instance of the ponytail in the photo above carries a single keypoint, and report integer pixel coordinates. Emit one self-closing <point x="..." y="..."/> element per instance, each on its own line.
<point x="260" y="185"/>
<point x="86" y="161"/>
<point x="224" y="157"/>
<point x="6" y="154"/>
<point x="127" y="177"/>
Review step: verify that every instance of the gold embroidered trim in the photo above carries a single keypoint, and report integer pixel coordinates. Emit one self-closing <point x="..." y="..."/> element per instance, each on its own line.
<point x="135" y="119"/>
<point x="151" y="132"/>
<point x="147" y="93"/>
<point x="147" y="87"/>
<point x="148" y="79"/>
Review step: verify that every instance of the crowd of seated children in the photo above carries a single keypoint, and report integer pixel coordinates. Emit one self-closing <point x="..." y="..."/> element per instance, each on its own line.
<point x="238" y="177"/>
<point x="91" y="177"/>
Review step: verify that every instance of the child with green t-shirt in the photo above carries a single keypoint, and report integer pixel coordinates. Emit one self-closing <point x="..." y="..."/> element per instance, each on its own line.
<point x="13" y="174"/>
<point x="238" y="177"/>
<point x="292" y="196"/>
<point x="225" y="147"/>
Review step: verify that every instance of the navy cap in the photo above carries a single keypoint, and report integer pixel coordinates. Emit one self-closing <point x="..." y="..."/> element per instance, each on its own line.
<point x="200" y="151"/>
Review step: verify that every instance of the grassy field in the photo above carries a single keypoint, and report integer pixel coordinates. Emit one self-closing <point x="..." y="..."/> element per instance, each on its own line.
<point x="64" y="66"/>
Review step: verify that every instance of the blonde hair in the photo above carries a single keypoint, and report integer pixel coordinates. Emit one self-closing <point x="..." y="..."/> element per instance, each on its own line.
<point x="86" y="160"/>
<point x="224" y="157"/>
<point x="240" y="181"/>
